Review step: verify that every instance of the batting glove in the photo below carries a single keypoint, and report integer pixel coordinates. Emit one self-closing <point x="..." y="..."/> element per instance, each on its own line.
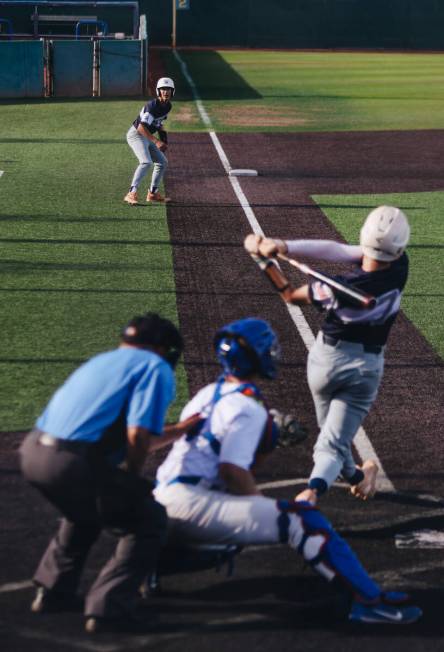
<point x="252" y="242"/>
<point x="269" y="247"/>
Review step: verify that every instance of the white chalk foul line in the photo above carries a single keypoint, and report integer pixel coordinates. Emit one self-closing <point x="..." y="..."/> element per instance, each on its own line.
<point x="361" y="442"/>
<point x="15" y="586"/>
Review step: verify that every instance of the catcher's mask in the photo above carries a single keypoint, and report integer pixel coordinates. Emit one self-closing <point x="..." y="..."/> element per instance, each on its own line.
<point x="165" y="82"/>
<point x="153" y="330"/>
<point x="248" y="346"/>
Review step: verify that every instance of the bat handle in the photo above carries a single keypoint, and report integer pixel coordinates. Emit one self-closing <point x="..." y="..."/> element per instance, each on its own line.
<point x="370" y="302"/>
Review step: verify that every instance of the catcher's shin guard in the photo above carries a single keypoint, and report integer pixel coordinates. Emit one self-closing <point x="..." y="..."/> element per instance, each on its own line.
<point x="326" y="552"/>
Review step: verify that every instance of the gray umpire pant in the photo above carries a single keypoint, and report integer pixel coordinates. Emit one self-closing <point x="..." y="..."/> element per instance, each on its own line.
<point x="147" y="154"/>
<point x="344" y="381"/>
<point x="91" y="499"/>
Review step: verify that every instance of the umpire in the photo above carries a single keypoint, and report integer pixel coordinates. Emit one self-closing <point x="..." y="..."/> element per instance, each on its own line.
<point x="85" y="456"/>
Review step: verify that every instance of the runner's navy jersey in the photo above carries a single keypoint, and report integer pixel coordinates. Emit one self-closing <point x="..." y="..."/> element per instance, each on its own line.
<point x="367" y="326"/>
<point x="153" y="114"/>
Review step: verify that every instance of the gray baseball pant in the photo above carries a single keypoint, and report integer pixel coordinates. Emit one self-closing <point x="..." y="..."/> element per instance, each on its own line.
<point x="147" y="154"/>
<point x="344" y="381"/>
<point x="92" y="497"/>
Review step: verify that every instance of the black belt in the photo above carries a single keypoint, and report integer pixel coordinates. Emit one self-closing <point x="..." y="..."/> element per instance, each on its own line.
<point x="78" y="447"/>
<point x="368" y="348"/>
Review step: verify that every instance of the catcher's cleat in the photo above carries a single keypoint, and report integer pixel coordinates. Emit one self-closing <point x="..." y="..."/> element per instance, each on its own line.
<point x="395" y="597"/>
<point x="156" y="197"/>
<point x="383" y="614"/>
<point x="367" y="487"/>
<point x="131" y="198"/>
<point x="46" y="601"/>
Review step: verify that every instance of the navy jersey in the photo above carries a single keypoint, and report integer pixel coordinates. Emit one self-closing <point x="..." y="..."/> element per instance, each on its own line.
<point x="153" y="115"/>
<point x="367" y="326"/>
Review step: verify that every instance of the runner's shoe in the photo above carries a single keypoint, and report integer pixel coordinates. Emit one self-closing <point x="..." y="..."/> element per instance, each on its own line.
<point x="131" y="198"/>
<point x="156" y="197"/>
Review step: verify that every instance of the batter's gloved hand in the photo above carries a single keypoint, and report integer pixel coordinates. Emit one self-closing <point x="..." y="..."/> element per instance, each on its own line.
<point x="291" y="431"/>
<point x="162" y="146"/>
<point x="367" y="487"/>
<point x="269" y="247"/>
<point x="251" y="243"/>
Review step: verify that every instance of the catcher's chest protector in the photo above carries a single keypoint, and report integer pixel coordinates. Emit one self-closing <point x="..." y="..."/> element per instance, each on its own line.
<point x="202" y="429"/>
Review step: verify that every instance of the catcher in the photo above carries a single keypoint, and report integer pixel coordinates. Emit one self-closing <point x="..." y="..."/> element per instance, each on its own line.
<point x="208" y="488"/>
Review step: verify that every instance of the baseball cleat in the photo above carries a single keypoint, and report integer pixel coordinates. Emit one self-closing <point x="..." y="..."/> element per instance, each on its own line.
<point x="94" y="625"/>
<point x="367" y="487"/>
<point x="156" y="197"/>
<point x="131" y="198"/>
<point x="395" y="597"/>
<point x="46" y="601"/>
<point x="383" y="614"/>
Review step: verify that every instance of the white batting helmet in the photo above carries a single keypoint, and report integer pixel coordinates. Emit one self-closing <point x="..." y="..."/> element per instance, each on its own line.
<point x="385" y="233"/>
<point x="165" y="82"/>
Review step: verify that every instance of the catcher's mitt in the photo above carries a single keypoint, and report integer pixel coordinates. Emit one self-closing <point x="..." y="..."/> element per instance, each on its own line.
<point x="291" y="431"/>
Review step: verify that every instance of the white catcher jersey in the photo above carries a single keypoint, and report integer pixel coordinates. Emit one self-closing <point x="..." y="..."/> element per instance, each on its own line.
<point x="237" y="422"/>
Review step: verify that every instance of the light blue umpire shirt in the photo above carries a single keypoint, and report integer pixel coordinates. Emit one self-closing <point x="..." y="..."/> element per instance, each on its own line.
<point x="94" y="396"/>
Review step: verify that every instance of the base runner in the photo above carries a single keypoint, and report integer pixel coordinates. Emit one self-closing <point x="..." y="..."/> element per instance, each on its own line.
<point x="208" y="489"/>
<point x="148" y="147"/>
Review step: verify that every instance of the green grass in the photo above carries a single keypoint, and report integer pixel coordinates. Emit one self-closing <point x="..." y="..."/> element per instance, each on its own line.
<point x="317" y="91"/>
<point x="76" y="261"/>
<point x="423" y="294"/>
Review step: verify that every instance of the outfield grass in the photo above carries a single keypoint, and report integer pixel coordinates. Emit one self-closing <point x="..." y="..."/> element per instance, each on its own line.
<point x="76" y="262"/>
<point x="317" y="91"/>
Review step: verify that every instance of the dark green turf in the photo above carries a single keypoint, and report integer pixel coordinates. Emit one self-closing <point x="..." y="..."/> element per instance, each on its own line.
<point x="76" y="261"/>
<point x="250" y="90"/>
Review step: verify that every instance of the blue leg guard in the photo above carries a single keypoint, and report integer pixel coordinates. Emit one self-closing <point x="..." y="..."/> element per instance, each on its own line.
<point x="326" y="552"/>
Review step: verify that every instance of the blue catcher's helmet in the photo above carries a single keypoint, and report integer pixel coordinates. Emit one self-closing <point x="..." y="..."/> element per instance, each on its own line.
<point x="247" y="346"/>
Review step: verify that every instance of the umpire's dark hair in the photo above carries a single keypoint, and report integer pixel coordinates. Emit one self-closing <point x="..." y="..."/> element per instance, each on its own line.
<point x="151" y="329"/>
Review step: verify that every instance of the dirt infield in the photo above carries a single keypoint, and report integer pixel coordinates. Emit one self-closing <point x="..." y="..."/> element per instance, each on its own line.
<point x="273" y="601"/>
<point x="216" y="281"/>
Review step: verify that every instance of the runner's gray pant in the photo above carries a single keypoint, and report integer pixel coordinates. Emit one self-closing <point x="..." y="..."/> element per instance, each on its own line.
<point x="147" y="154"/>
<point x="344" y="381"/>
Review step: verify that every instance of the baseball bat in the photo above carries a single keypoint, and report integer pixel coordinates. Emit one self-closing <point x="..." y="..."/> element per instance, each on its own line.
<point x="356" y="297"/>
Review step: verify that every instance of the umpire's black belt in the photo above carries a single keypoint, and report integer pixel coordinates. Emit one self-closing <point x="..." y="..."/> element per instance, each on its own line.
<point x="368" y="348"/>
<point x="78" y="447"/>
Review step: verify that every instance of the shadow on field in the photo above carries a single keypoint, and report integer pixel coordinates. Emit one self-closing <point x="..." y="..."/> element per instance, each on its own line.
<point x="222" y="82"/>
